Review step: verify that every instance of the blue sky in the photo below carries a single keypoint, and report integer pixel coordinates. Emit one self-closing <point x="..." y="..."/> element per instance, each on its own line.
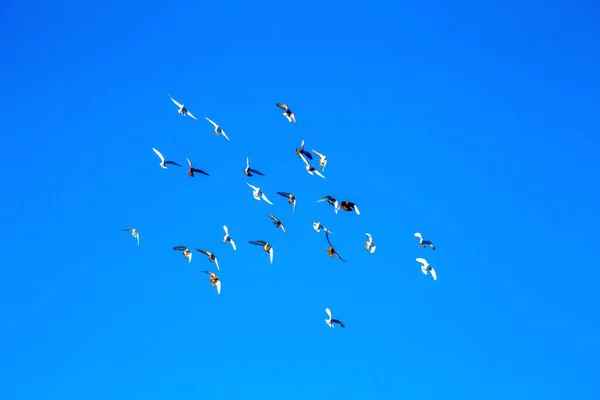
<point x="473" y="124"/>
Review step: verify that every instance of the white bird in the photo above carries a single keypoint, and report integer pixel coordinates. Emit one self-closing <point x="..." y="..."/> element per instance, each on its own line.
<point x="288" y="113"/>
<point x="217" y="128"/>
<point x="322" y="159"/>
<point x="426" y="267"/>
<point x="330" y="321"/>
<point x="134" y="233"/>
<point x="228" y="238"/>
<point x="249" y="171"/>
<point x="309" y="168"/>
<point x="182" y="109"/>
<point x="369" y="244"/>
<point x="317" y="226"/>
<point x="164" y="163"/>
<point x="422" y="242"/>
<point x="258" y="194"/>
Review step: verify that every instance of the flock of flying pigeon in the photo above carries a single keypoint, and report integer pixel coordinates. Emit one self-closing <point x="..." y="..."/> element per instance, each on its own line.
<point x="257" y="193"/>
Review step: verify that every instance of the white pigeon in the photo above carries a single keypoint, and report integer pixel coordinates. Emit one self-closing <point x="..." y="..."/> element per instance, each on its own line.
<point x="182" y="109"/>
<point x="228" y="238"/>
<point x="134" y="233"/>
<point x="164" y="163"/>
<point x="309" y="168"/>
<point x="258" y="194"/>
<point x="217" y="128"/>
<point x="330" y="321"/>
<point x="426" y="267"/>
<point x="369" y="244"/>
<point x="322" y="159"/>
<point x="317" y="226"/>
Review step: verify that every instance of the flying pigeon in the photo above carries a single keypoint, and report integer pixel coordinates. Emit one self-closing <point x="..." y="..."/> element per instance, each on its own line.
<point x="211" y="257"/>
<point x="330" y="321"/>
<point x="228" y="238"/>
<point x="331" y="251"/>
<point x="322" y="159"/>
<point x="258" y="194"/>
<point x="185" y="251"/>
<point x="192" y="169"/>
<point x="369" y="244"/>
<point x="217" y="128"/>
<point x="277" y="222"/>
<point x="317" y="226"/>
<point x="182" y="110"/>
<point x="424" y="243"/>
<point x="214" y="280"/>
<point x="134" y="233"/>
<point x="349" y="206"/>
<point x="164" y="163"/>
<point x="249" y="171"/>
<point x="291" y="199"/>
<point x="331" y="200"/>
<point x="288" y="113"/>
<point x="266" y="247"/>
<point x="309" y="168"/>
<point x="426" y="267"/>
<point x="302" y="151"/>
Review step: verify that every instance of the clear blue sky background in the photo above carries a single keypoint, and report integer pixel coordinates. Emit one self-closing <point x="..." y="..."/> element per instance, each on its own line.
<point x="474" y="124"/>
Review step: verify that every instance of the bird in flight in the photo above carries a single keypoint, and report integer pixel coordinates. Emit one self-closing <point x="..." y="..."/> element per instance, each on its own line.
<point x="182" y="110"/>
<point x="249" y="171"/>
<point x="369" y="244"/>
<point x="331" y="250"/>
<point x="228" y="238"/>
<point x="331" y="321"/>
<point x="266" y="247"/>
<point x="426" y="267"/>
<point x="192" y="169"/>
<point x="291" y="199"/>
<point x="322" y="159"/>
<point x="134" y="233"/>
<point x="258" y="194"/>
<point x="288" y="113"/>
<point x="214" y="280"/>
<point x="217" y="128"/>
<point x="211" y="257"/>
<point x="163" y="162"/>
<point x="424" y="243"/>
<point x="185" y="251"/>
<point x="277" y="222"/>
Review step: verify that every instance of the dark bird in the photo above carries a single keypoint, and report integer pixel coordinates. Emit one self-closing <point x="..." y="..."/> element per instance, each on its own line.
<point x="266" y="247"/>
<point x="277" y="222"/>
<point x="211" y="257"/>
<point x="288" y="113"/>
<point x="291" y="199"/>
<point x="349" y="206"/>
<point x="331" y="251"/>
<point x="185" y="251"/>
<point x="192" y="169"/>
